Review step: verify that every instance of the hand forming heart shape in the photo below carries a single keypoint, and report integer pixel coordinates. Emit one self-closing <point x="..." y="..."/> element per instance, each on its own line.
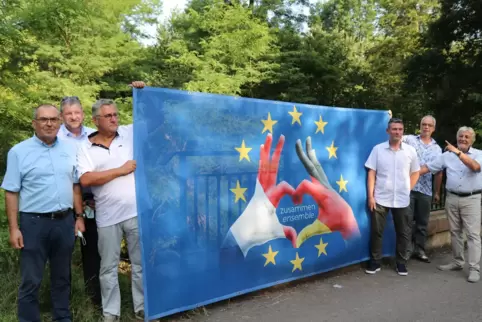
<point x="334" y="213"/>
<point x="259" y="223"/>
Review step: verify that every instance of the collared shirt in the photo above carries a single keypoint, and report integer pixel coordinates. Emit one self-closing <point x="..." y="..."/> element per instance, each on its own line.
<point x="115" y="201"/>
<point x="460" y="178"/>
<point x="43" y="175"/>
<point x="393" y="170"/>
<point x="65" y="134"/>
<point x="426" y="153"/>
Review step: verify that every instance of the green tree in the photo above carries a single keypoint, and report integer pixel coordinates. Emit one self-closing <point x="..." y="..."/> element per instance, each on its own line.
<point x="216" y="48"/>
<point x="447" y="72"/>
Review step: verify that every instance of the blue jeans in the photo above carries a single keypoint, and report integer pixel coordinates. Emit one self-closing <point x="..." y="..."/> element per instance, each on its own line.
<point x="45" y="239"/>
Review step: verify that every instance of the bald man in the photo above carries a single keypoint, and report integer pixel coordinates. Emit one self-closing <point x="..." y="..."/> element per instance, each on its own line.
<point x="41" y="189"/>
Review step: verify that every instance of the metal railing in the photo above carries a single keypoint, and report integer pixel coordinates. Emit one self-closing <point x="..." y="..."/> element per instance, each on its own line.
<point x="208" y="215"/>
<point x="441" y="204"/>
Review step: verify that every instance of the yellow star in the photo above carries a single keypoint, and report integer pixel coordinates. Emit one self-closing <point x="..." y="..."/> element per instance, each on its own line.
<point x="268" y="124"/>
<point x="295" y="115"/>
<point x="342" y="183"/>
<point x="239" y="192"/>
<point x="321" y="247"/>
<point x="332" y="150"/>
<point x="320" y="126"/>
<point x="270" y="255"/>
<point x="243" y="152"/>
<point x="297" y="263"/>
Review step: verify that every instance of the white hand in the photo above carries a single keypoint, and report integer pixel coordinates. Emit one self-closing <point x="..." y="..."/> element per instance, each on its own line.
<point x="258" y="223"/>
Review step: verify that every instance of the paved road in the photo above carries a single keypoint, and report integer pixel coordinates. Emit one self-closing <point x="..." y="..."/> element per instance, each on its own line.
<point x="426" y="294"/>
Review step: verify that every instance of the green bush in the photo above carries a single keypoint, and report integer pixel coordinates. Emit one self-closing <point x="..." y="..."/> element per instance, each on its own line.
<point x="82" y="309"/>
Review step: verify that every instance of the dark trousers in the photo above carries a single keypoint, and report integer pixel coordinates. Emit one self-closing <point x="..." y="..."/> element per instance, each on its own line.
<point x="45" y="239"/>
<point x="91" y="261"/>
<point x="400" y="219"/>
<point x="420" y="206"/>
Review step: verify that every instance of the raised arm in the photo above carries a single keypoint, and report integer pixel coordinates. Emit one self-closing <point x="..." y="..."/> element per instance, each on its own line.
<point x="472" y="164"/>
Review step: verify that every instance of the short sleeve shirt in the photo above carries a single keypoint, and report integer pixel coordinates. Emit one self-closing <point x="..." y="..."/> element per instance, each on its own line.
<point x="460" y="179"/>
<point x="43" y="175"/>
<point x="426" y="153"/>
<point x="115" y="201"/>
<point x="393" y="170"/>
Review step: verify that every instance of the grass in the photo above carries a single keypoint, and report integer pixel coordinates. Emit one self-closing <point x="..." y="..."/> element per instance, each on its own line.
<point x="82" y="309"/>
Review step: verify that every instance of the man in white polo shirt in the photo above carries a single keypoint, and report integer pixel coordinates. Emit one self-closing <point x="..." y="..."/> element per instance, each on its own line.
<point x="105" y="163"/>
<point x="393" y="171"/>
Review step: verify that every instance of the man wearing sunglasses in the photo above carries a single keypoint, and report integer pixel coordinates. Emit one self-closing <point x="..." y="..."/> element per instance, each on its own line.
<point x="393" y="171"/>
<point x="105" y="163"/>
<point x="421" y="195"/>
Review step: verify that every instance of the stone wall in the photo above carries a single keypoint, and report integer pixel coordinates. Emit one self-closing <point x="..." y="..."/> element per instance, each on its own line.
<point x="438" y="230"/>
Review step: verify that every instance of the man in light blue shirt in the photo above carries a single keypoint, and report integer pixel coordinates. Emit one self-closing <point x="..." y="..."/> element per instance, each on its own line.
<point x="463" y="203"/>
<point x="74" y="132"/>
<point x="421" y="195"/>
<point x="41" y="185"/>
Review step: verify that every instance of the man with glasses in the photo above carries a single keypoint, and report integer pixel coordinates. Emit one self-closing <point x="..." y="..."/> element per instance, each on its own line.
<point x="41" y="186"/>
<point x="421" y="195"/>
<point x="393" y="171"/>
<point x="105" y="163"/>
<point x="73" y="131"/>
<point x="462" y="205"/>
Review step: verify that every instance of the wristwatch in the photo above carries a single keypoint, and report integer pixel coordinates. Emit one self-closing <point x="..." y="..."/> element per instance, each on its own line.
<point x="79" y="216"/>
<point x="459" y="153"/>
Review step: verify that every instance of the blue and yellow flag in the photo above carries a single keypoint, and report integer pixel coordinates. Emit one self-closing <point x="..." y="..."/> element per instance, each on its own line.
<point x="237" y="194"/>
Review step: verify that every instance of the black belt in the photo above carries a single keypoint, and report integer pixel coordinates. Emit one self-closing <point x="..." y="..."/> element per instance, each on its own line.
<point x="53" y="215"/>
<point x="465" y="194"/>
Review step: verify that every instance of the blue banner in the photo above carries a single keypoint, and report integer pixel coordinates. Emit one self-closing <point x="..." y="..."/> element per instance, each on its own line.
<point x="238" y="194"/>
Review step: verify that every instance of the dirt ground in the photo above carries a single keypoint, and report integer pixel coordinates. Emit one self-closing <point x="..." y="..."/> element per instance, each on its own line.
<point x="426" y="294"/>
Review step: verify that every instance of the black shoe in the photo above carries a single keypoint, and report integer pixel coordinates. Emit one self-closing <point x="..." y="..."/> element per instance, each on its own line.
<point x="373" y="267"/>
<point x="420" y="255"/>
<point x="402" y="269"/>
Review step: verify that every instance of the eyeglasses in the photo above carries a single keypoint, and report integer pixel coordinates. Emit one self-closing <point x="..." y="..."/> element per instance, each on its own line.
<point x="70" y="98"/>
<point x="45" y="120"/>
<point x="109" y="116"/>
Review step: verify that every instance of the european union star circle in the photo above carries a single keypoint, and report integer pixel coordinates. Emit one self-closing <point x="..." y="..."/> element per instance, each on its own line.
<point x="237" y="194"/>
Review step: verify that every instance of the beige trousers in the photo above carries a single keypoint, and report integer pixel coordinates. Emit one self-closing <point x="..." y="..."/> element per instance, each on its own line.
<point x="464" y="214"/>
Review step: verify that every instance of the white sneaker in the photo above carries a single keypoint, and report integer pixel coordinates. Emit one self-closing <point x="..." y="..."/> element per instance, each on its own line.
<point x="474" y="276"/>
<point x="111" y="318"/>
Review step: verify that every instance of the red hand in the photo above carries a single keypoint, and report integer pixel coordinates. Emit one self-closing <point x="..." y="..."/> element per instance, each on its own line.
<point x="333" y="210"/>
<point x="267" y="177"/>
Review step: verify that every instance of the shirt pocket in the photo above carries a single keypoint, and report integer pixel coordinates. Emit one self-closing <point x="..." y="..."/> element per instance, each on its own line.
<point x="66" y="166"/>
